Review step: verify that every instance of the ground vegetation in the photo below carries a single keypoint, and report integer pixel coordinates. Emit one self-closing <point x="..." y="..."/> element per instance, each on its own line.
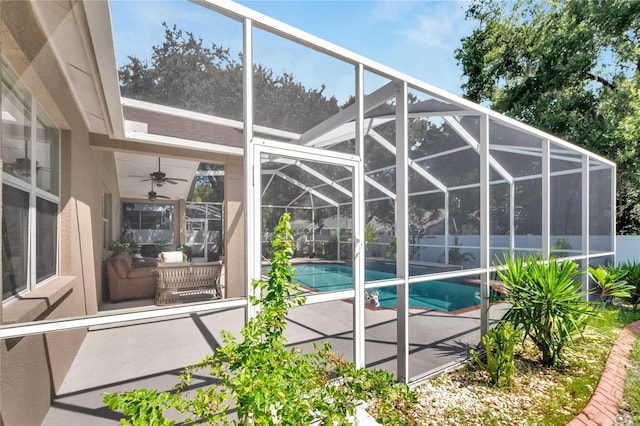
<point x="538" y="394"/>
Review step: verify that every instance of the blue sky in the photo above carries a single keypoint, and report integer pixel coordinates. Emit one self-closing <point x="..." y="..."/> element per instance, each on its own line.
<point x="417" y="38"/>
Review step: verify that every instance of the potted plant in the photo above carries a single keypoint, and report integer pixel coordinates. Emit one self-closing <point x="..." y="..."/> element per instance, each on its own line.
<point x="186" y="250"/>
<point x="122" y="246"/>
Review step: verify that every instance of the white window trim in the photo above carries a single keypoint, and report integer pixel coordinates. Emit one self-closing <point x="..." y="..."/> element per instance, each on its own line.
<point x="34" y="193"/>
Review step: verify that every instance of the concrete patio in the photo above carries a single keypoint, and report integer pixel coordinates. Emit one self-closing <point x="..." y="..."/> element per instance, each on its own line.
<point x="151" y="354"/>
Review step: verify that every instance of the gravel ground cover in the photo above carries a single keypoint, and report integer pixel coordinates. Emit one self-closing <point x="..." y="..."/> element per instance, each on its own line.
<point x="538" y="396"/>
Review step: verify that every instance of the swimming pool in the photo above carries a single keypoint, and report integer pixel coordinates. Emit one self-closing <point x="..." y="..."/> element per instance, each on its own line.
<point x="439" y="295"/>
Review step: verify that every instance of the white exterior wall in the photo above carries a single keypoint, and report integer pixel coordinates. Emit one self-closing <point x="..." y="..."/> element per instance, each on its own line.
<point x="627" y="248"/>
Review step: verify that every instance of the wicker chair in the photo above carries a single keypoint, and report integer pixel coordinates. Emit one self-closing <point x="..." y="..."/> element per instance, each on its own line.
<point x="179" y="282"/>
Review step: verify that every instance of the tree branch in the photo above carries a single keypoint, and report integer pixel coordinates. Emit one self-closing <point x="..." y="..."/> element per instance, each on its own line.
<point x="605" y="83"/>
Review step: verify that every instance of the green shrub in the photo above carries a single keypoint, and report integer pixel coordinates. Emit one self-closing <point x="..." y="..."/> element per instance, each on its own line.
<point x="330" y="248"/>
<point x="391" y="252"/>
<point x="611" y="283"/>
<point x="122" y="247"/>
<point x="546" y="301"/>
<point x="559" y="247"/>
<point x="499" y="346"/>
<point x="266" y="382"/>
<point x="369" y="234"/>
<point x="632" y="276"/>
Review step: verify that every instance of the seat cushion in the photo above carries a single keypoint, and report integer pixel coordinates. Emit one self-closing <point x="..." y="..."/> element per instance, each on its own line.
<point x="171" y="256"/>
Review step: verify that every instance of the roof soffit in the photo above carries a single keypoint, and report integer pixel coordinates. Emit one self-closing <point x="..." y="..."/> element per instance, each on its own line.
<point x="70" y="35"/>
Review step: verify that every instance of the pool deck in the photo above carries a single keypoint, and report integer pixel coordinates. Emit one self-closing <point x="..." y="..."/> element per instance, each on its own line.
<point x="151" y="354"/>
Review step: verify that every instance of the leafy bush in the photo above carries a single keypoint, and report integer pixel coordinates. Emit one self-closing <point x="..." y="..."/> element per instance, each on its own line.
<point x="266" y="382"/>
<point x="126" y="247"/>
<point x="546" y="301"/>
<point x="499" y="345"/>
<point x="393" y="245"/>
<point x="611" y="283"/>
<point x="330" y="248"/>
<point x="632" y="276"/>
<point x="457" y="256"/>
<point x="559" y="247"/>
<point x="369" y="234"/>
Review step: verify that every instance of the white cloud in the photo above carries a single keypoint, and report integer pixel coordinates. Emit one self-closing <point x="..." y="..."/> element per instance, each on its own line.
<point x="392" y="11"/>
<point x="440" y="26"/>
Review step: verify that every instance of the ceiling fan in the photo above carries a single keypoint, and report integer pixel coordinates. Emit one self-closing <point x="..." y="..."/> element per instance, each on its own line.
<point x="22" y="166"/>
<point x="160" y="178"/>
<point x="153" y="195"/>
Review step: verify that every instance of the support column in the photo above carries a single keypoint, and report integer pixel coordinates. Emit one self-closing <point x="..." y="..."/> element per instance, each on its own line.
<point x="485" y="253"/>
<point x="512" y="219"/>
<point x="339" y="232"/>
<point x="402" y="230"/>
<point x="613" y="212"/>
<point x="180" y="222"/>
<point x="546" y="197"/>
<point x="447" y="216"/>
<point x="252" y="188"/>
<point x="585" y="225"/>
<point x="234" y="227"/>
<point x="358" y="228"/>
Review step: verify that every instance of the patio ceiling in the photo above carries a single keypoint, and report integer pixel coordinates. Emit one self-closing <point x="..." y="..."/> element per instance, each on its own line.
<point x="134" y="173"/>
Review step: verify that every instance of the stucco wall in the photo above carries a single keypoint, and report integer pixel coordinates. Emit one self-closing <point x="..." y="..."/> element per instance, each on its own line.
<point x="234" y="227"/>
<point x="110" y="186"/>
<point x="32" y="368"/>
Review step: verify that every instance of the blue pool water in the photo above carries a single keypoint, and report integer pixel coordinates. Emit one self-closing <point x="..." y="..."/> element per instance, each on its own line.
<point x="440" y="295"/>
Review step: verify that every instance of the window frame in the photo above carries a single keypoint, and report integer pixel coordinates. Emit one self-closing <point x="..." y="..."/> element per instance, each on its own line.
<point x="107" y="221"/>
<point x="134" y="233"/>
<point x="33" y="190"/>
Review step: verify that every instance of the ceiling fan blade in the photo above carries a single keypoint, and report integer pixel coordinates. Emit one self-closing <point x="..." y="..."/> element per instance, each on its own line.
<point x="176" y="180"/>
<point x="163" y="196"/>
<point x="171" y="181"/>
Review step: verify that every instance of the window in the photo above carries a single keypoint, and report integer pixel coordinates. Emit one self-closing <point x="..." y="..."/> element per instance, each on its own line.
<point x="106" y="220"/>
<point x="204" y="230"/>
<point x="15" y="240"/>
<point x="30" y="189"/>
<point x="148" y="223"/>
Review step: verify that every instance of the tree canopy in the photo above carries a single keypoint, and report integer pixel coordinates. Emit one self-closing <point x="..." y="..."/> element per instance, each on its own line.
<point x="571" y="68"/>
<point x="184" y="73"/>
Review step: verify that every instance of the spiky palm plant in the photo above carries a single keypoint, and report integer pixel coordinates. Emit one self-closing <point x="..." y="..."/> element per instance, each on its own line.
<point x="546" y="301"/>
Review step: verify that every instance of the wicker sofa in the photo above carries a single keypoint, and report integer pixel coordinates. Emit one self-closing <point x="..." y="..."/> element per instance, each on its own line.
<point x="180" y="282"/>
<point x="129" y="279"/>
